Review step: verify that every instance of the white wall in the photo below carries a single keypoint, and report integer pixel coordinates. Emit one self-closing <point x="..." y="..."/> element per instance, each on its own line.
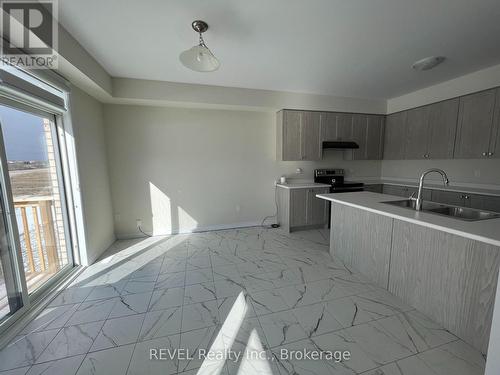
<point x="180" y="169"/>
<point x="460" y="171"/>
<point x="87" y="122"/>
<point x="467" y="84"/>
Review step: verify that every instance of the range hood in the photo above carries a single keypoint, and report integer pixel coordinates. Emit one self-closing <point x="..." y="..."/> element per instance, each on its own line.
<point x="340" y="144"/>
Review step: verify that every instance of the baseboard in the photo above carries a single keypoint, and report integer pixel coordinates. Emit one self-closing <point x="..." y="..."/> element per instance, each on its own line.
<point x="208" y="228"/>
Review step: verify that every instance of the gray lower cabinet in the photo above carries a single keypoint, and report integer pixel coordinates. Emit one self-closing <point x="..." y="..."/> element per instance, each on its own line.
<point x="454" y="198"/>
<point x="484" y="202"/>
<point x="395" y="136"/>
<point x="362" y="240"/>
<point x="301" y="209"/>
<point x="374" y="188"/>
<point x="405" y="191"/>
<point x="475" y="125"/>
<point x="449" y="278"/>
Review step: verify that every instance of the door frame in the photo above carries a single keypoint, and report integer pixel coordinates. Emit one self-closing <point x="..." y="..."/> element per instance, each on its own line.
<point x="58" y="134"/>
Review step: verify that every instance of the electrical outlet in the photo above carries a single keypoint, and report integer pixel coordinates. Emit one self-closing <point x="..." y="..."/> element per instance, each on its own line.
<point x="477" y="173"/>
<point x="138" y="222"/>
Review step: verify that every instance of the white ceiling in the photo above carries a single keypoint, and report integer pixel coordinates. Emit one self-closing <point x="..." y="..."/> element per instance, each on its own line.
<point x="338" y="47"/>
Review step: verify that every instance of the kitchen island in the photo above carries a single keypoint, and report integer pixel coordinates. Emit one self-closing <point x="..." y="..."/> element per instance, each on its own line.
<point x="445" y="267"/>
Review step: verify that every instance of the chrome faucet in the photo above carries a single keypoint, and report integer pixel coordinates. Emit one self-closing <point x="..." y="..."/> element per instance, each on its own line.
<point x="418" y="202"/>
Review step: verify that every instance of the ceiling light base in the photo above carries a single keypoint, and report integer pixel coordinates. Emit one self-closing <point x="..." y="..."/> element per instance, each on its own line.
<point x="199" y="26"/>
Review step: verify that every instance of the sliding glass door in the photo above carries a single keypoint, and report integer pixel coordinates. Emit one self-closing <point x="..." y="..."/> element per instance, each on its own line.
<point x="33" y="204"/>
<point x="10" y="281"/>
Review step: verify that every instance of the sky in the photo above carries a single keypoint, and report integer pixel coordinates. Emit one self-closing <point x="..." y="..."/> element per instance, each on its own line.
<point x="23" y="135"/>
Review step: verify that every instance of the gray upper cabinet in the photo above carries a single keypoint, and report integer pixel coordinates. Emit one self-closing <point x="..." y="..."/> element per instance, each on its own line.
<point x="417" y="126"/>
<point x="475" y="123"/>
<point x="495" y="134"/>
<point x="336" y="126"/>
<point x="431" y="131"/>
<point x="368" y="133"/>
<point x="310" y="136"/>
<point x="288" y="135"/>
<point x="344" y="127"/>
<point x="298" y="135"/>
<point x="329" y="126"/>
<point x="395" y="136"/>
<point x="442" y="129"/>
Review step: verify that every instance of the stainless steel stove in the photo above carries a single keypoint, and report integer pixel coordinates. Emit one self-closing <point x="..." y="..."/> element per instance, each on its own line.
<point x="335" y="178"/>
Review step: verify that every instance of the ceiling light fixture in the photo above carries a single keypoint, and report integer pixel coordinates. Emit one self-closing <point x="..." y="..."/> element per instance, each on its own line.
<point x="199" y="58"/>
<point x="428" y="63"/>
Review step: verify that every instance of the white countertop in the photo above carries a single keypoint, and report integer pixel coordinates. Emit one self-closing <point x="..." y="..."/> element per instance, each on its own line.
<point x="302" y="185"/>
<point x="435" y="186"/>
<point x="487" y="231"/>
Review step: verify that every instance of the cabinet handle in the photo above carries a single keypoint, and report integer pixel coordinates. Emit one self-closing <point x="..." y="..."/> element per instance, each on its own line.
<point x="490" y="153"/>
<point x="466" y="197"/>
<point x="485" y="153"/>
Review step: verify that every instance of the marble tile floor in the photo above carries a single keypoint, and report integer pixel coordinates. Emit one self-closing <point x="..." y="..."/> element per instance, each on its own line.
<point x="255" y="294"/>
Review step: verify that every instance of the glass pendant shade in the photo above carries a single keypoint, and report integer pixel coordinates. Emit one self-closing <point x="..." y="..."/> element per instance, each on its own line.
<point x="200" y="59"/>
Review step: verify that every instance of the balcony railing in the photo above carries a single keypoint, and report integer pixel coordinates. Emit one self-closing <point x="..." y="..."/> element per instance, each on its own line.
<point x="38" y="238"/>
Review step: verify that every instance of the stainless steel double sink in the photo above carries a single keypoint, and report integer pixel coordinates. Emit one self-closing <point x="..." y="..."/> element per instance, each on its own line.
<point x="462" y="213"/>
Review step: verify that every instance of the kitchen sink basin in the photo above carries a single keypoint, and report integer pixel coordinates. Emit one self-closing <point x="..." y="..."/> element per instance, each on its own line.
<point x="411" y="203"/>
<point x="462" y="213"/>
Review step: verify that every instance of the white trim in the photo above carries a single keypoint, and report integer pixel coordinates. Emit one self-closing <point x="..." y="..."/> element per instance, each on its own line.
<point x="77" y="208"/>
<point x="208" y="228"/>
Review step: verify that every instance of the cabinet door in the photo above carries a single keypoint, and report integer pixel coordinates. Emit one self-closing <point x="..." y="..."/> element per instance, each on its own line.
<point x="495" y="133"/>
<point x="454" y="198"/>
<point x="485" y="202"/>
<point x="394" y="190"/>
<point x="344" y="126"/>
<point x="329" y="126"/>
<point x="417" y="124"/>
<point x="291" y="135"/>
<point x="449" y="278"/>
<point x="359" y="135"/>
<point x="475" y="119"/>
<point x="310" y="136"/>
<point x="375" y="137"/>
<point x="395" y="135"/>
<point x="377" y="188"/>
<point x="298" y="207"/>
<point x="442" y="129"/>
<point x="316" y="208"/>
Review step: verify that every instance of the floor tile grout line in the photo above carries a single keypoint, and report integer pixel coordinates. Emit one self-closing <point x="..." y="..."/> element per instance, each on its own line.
<point x="143" y="320"/>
